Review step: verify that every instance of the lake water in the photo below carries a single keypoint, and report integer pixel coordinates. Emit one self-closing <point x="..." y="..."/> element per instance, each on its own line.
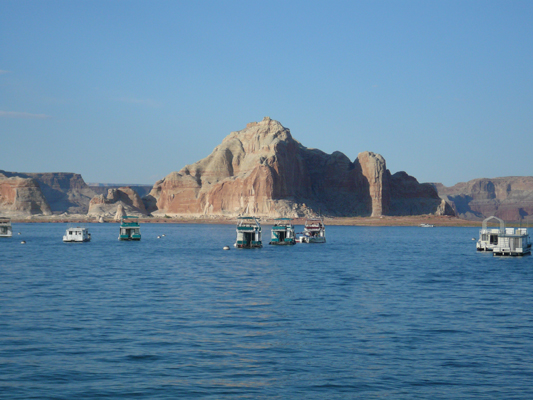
<point x="376" y="312"/>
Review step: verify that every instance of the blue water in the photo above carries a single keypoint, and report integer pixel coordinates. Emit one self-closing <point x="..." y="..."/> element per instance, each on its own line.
<point x="377" y="312"/>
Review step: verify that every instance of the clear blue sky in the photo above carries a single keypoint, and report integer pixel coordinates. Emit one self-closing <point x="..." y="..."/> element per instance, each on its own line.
<point x="129" y="91"/>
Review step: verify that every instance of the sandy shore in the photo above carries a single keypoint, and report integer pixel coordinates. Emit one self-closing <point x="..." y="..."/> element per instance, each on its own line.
<point x="347" y="221"/>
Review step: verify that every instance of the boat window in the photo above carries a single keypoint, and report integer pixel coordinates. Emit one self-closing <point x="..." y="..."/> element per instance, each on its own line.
<point x="493" y="239"/>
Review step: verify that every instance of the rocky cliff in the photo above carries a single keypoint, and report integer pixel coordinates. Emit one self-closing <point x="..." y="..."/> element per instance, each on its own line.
<point x="20" y="197"/>
<point x="123" y="199"/>
<point x="64" y="191"/>
<point x="262" y="170"/>
<point x="508" y="198"/>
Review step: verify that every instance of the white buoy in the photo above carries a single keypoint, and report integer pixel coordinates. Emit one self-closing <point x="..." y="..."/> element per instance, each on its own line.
<point x="225" y="248"/>
<point x="163" y="235"/>
<point x="159" y="237"/>
<point x="23" y="242"/>
<point x="19" y="233"/>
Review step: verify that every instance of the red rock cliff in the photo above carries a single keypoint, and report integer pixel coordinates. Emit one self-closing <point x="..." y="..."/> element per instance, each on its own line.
<point x="262" y="170"/>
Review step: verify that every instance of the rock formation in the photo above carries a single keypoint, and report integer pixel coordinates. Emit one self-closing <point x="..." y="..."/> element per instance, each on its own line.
<point x="103" y="188"/>
<point x="64" y="191"/>
<point x="21" y="196"/>
<point x="124" y="198"/>
<point x="121" y="213"/>
<point x="262" y="170"/>
<point x="508" y="198"/>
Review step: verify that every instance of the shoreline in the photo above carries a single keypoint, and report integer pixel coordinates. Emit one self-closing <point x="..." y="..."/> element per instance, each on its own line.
<point x="438" y="221"/>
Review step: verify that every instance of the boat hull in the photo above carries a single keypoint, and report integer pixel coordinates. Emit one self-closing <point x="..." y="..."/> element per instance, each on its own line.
<point x="305" y="239"/>
<point x="284" y="243"/>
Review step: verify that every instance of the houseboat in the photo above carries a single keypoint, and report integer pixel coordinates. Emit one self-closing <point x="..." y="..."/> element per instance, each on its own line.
<point x="314" y="231"/>
<point x="77" y="235"/>
<point x="248" y="233"/>
<point x="513" y="242"/>
<point x="283" y="232"/>
<point x="488" y="238"/>
<point x="6" y="229"/>
<point x="129" y="228"/>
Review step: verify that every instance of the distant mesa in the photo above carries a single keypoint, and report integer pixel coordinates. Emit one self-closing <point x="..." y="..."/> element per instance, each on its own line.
<point x="509" y="198"/>
<point x="262" y="170"/>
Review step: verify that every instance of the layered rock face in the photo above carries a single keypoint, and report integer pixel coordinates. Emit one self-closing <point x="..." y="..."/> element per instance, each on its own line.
<point x="262" y="170"/>
<point x="508" y="198"/>
<point x="64" y="191"/>
<point x="21" y="197"/>
<point x="123" y="199"/>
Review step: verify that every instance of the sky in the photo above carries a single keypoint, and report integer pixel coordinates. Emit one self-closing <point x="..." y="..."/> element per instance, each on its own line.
<point x="129" y="91"/>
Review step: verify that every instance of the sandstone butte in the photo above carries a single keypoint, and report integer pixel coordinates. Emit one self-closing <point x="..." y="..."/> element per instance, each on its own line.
<point x="121" y="201"/>
<point x="261" y="170"/>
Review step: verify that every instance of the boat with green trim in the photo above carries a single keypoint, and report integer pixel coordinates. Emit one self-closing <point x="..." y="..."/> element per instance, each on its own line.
<point x="248" y="233"/>
<point x="283" y="232"/>
<point x="129" y="228"/>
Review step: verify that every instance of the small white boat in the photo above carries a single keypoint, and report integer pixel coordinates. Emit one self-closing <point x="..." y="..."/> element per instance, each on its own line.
<point x="314" y="231"/>
<point x="427" y="226"/>
<point x="77" y="235"/>
<point x="283" y="232"/>
<point x="6" y="230"/>
<point x="488" y="238"/>
<point x="248" y="233"/>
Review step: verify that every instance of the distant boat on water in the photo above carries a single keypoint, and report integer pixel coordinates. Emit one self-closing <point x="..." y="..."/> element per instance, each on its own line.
<point x="129" y="228"/>
<point x="6" y="230"/>
<point x="248" y="233"/>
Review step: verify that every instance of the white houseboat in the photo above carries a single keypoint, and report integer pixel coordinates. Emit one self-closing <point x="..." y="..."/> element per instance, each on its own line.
<point x="77" y="235"/>
<point x="513" y="242"/>
<point x="129" y="228"/>
<point x="6" y="229"/>
<point x="248" y="233"/>
<point x="283" y="232"/>
<point x="488" y="238"/>
<point x="314" y="231"/>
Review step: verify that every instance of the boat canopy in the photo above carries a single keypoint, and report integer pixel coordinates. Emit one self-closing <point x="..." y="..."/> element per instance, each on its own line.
<point x="486" y="220"/>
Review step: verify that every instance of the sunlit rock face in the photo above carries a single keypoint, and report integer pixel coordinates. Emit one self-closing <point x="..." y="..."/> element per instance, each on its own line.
<point x="262" y="170"/>
<point x="509" y="198"/>
<point x="21" y="197"/>
<point x="65" y="192"/>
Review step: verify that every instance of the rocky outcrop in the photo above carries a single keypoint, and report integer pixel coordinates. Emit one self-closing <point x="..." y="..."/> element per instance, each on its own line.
<point x="121" y="199"/>
<point x="121" y="212"/>
<point x="20" y="197"/>
<point x="103" y="188"/>
<point x="262" y="170"/>
<point x="508" y="198"/>
<point x="376" y="176"/>
<point x="64" y="191"/>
